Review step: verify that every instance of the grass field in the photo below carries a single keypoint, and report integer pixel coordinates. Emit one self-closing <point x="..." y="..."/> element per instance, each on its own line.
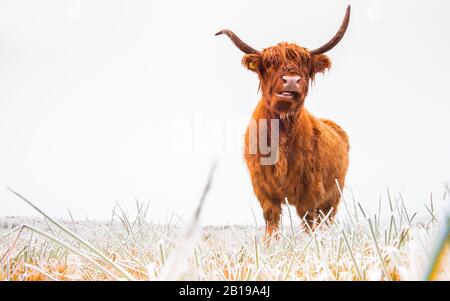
<point x="391" y="244"/>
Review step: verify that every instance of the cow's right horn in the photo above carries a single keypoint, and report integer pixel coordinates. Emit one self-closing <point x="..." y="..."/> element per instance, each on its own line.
<point x="244" y="47"/>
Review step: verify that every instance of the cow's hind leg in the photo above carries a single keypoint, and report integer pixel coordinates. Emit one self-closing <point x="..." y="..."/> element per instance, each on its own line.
<point x="329" y="208"/>
<point x="308" y="218"/>
<point x="326" y="213"/>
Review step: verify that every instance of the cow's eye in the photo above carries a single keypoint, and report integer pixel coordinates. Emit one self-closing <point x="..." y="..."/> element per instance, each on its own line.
<point x="269" y="65"/>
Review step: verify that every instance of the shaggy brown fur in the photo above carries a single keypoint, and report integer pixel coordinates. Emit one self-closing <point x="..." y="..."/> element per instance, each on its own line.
<point x="313" y="152"/>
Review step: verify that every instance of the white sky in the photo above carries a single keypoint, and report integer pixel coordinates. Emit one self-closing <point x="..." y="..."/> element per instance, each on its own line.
<point x="92" y="95"/>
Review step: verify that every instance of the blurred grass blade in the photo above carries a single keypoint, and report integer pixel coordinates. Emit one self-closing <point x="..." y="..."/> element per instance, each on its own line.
<point x="175" y="265"/>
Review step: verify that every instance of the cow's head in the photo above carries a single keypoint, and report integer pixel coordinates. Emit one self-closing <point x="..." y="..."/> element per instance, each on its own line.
<point x="285" y="70"/>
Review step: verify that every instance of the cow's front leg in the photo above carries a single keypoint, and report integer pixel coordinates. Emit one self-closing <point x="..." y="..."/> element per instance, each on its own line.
<point x="272" y="212"/>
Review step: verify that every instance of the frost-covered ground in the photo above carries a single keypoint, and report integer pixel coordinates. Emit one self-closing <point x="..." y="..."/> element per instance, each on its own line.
<point x="358" y="246"/>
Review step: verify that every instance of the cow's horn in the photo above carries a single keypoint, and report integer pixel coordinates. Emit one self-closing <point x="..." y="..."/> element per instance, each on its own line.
<point x="238" y="42"/>
<point x="337" y="38"/>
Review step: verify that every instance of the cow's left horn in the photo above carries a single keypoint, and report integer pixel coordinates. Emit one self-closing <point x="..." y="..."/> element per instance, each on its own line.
<point x="337" y="38"/>
<point x="238" y="42"/>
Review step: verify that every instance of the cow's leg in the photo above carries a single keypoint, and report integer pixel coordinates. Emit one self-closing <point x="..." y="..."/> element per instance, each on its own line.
<point x="307" y="205"/>
<point x="308" y="217"/>
<point x="329" y="208"/>
<point x="271" y="212"/>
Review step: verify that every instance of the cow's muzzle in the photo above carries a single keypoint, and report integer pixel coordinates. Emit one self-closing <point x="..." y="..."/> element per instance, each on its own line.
<point x="291" y="87"/>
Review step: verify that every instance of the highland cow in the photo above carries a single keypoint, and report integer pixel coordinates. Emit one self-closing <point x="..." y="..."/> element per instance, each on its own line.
<point x="312" y="153"/>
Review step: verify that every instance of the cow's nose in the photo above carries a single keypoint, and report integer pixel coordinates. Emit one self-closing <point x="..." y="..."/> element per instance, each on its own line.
<point x="291" y="81"/>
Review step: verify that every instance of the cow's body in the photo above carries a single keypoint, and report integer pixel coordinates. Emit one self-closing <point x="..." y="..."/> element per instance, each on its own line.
<point x="312" y="156"/>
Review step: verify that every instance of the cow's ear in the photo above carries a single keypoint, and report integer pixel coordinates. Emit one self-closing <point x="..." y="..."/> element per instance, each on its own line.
<point x="252" y="62"/>
<point x="319" y="63"/>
